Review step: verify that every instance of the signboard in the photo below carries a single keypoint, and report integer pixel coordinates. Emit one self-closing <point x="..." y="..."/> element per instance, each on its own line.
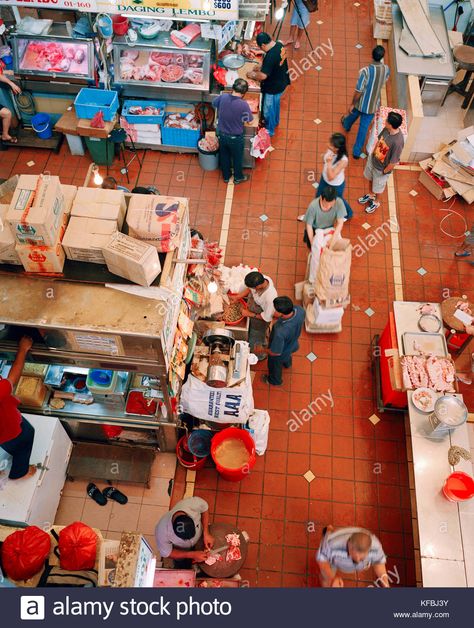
<point x="192" y="9"/>
<point x="87" y="6"/>
<point x="222" y="34"/>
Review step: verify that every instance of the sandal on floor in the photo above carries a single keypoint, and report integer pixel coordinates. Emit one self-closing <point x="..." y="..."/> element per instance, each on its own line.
<point x="12" y="140"/>
<point x="95" y="494"/>
<point x="115" y="494"/>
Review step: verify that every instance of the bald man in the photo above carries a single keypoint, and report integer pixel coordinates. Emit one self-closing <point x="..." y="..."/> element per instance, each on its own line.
<point x="349" y="550"/>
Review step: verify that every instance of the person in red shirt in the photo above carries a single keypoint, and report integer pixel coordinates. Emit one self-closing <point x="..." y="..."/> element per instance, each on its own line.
<point x="16" y="433"/>
<point x="5" y="113"/>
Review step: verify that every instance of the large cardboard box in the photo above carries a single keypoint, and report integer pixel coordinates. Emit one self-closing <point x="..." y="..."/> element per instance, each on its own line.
<point x="8" y="254"/>
<point x="41" y="258"/>
<point x="36" y="212"/>
<point x="132" y="259"/>
<point x="156" y="219"/>
<point x="69" y="193"/>
<point x="99" y="203"/>
<point x="86" y="237"/>
<point x="7" y="189"/>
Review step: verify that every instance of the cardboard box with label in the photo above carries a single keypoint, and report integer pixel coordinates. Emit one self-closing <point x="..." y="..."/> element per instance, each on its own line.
<point x="36" y="211"/>
<point x="69" y="193"/>
<point x="101" y="204"/>
<point x="156" y="219"/>
<point x="8" y="254"/>
<point x="132" y="259"/>
<point x="41" y="258"/>
<point x="86" y="237"/>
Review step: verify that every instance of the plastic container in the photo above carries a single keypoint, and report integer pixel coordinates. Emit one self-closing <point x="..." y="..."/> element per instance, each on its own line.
<point x="239" y="320"/>
<point x="101" y="150"/>
<point x="459" y="487"/>
<point x="187" y="459"/>
<point x="234" y="433"/>
<point x="134" y="119"/>
<point x="41" y="123"/>
<point x="199" y="443"/>
<point x="187" y="138"/>
<point x="208" y="160"/>
<point x="120" y="24"/>
<point x="101" y="381"/>
<point x="105" y="25"/>
<point x="90" y="101"/>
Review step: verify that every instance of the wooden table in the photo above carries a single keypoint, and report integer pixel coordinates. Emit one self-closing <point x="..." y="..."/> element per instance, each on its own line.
<point x="223" y="569"/>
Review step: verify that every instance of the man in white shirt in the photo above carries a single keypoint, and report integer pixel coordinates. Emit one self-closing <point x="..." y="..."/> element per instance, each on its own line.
<point x="179" y="530"/>
<point x="260" y="309"/>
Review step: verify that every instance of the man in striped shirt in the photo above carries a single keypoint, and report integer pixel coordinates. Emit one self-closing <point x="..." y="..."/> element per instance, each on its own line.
<point x="349" y="550"/>
<point x="366" y="99"/>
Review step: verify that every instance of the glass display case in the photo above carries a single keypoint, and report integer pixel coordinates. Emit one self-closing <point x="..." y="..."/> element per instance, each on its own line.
<point x="56" y="55"/>
<point x="160" y="63"/>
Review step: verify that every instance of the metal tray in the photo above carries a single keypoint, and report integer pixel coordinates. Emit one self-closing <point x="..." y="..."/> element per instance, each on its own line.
<point x="428" y="343"/>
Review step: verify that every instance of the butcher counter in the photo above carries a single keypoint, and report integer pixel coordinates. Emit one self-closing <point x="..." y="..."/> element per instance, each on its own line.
<point x="443" y="531"/>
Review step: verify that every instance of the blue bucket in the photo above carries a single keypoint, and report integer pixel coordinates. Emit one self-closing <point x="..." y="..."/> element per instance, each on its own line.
<point x="199" y="443"/>
<point x="41" y="123"/>
<point x="105" y="25"/>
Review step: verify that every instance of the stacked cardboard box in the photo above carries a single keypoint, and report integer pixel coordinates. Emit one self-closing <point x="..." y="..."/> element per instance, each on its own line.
<point x="132" y="259"/>
<point x="96" y="215"/>
<point x="37" y="218"/>
<point x="99" y="203"/>
<point x="8" y="254"/>
<point x="451" y="170"/>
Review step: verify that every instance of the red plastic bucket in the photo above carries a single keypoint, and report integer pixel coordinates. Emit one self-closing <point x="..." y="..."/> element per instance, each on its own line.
<point x="185" y="458"/>
<point x="120" y="24"/>
<point x="234" y="433"/>
<point x="459" y="487"/>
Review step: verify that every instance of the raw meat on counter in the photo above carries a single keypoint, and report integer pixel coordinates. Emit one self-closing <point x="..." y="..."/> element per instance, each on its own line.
<point x="433" y="372"/>
<point x="53" y="56"/>
<point x="172" y="73"/>
<point x="136" y="110"/>
<point x="163" y="58"/>
<point x="193" y="75"/>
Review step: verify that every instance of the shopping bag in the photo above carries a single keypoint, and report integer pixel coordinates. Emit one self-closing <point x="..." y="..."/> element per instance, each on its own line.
<point x="24" y="552"/>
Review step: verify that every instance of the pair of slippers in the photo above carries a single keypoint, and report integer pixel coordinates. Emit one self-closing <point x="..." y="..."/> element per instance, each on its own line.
<point x="101" y="497"/>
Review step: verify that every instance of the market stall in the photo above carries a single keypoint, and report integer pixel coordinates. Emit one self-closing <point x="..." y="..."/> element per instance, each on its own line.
<point x="421" y="377"/>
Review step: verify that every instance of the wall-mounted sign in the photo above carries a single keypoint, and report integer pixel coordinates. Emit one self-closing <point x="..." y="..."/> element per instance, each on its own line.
<point x="87" y="6"/>
<point x="197" y="9"/>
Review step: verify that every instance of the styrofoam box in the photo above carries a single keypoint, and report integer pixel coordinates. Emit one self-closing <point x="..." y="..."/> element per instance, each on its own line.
<point x="327" y="316"/>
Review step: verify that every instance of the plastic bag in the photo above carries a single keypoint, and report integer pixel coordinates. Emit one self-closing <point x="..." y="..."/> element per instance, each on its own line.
<point x="259" y="423"/>
<point x="24" y="552"/>
<point x="77" y="547"/>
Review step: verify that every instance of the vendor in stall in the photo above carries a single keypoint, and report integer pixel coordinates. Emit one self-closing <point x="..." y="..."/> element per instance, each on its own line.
<point x="5" y="113"/>
<point x="260" y="309"/>
<point x="178" y="532"/>
<point x="16" y="433"/>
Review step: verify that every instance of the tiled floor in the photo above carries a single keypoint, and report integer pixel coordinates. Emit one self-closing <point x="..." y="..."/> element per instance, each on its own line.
<point x="360" y="469"/>
<point x="142" y="512"/>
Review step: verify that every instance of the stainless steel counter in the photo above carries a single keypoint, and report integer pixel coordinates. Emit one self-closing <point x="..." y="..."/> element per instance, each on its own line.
<point x="441" y="68"/>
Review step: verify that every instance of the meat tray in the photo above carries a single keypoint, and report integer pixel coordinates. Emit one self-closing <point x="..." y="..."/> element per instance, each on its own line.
<point x="425" y="342"/>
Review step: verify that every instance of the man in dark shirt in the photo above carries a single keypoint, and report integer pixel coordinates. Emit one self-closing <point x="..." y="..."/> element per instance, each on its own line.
<point x="232" y="112"/>
<point x="383" y="160"/>
<point x="283" y="339"/>
<point x="274" y="79"/>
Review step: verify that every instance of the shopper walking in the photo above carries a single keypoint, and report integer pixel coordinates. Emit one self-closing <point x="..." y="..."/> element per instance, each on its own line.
<point x="349" y="550"/>
<point x="382" y="161"/>
<point x="334" y="169"/>
<point x="232" y="112"/>
<point x="283" y="339"/>
<point x="299" y="22"/>
<point x="16" y="433"/>
<point x="366" y="99"/>
<point x="260" y="310"/>
<point x="274" y="79"/>
<point x="179" y="530"/>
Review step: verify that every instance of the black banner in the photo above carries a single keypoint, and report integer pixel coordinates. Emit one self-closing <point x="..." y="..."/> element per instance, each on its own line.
<point x="241" y="608"/>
